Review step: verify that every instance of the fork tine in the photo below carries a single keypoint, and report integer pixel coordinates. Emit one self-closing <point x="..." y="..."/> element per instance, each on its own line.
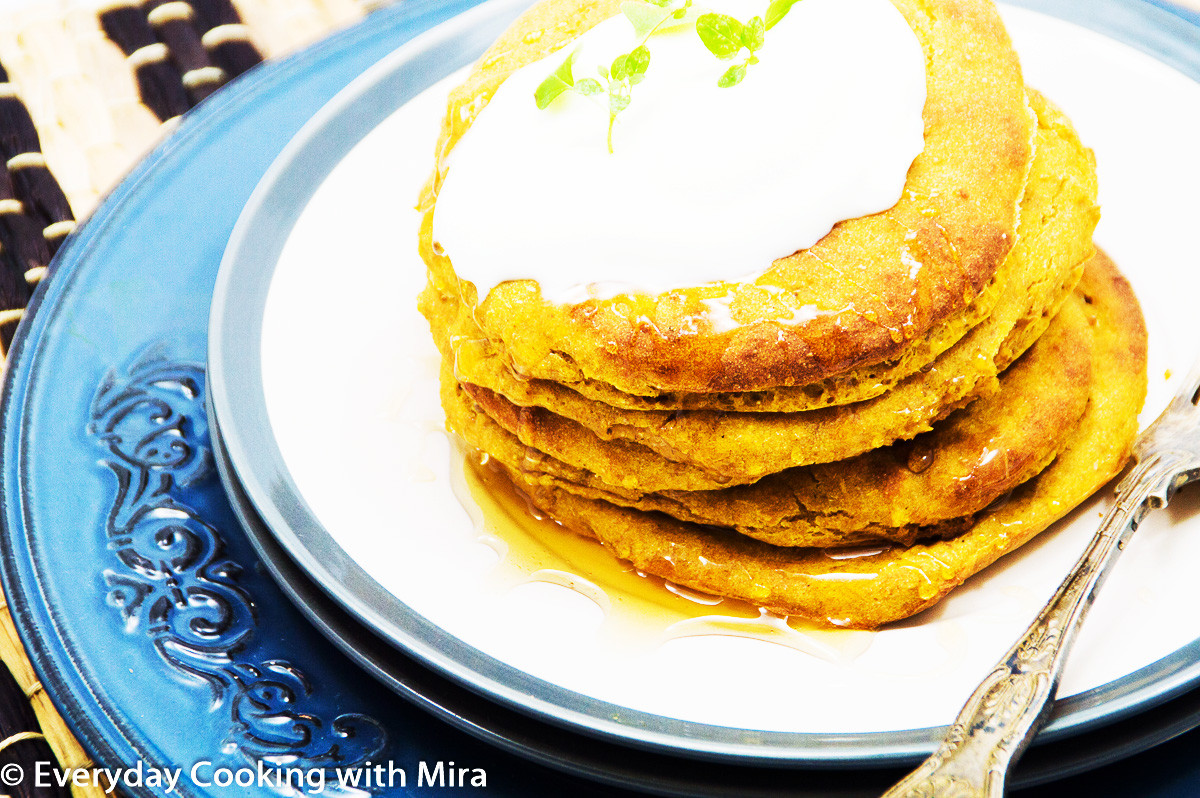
<point x="1189" y="390"/>
<point x="1178" y="426"/>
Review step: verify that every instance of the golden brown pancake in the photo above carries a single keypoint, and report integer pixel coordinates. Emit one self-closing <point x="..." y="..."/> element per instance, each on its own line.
<point x="654" y="451"/>
<point x="875" y="588"/>
<point x="483" y="362"/>
<point x="928" y="487"/>
<point x="957" y="218"/>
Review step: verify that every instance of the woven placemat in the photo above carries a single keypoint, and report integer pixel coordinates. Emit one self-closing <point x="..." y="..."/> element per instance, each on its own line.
<point x="85" y="91"/>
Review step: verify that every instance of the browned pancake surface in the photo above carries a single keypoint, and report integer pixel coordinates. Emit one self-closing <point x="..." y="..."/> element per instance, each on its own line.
<point x="928" y="487"/>
<point x="873" y="589"/>
<point x="957" y="218"/>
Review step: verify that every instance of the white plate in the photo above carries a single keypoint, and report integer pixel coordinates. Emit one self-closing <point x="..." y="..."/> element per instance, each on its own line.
<point x="333" y="422"/>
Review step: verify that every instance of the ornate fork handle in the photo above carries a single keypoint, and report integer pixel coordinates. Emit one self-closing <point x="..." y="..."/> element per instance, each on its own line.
<point x="1002" y="715"/>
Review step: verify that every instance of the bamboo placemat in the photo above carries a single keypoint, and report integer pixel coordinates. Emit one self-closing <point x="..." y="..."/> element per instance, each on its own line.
<point x="85" y="91"/>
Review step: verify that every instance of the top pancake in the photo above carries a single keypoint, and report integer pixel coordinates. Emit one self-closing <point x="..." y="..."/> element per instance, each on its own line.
<point x="705" y="449"/>
<point x="956" y="219"/>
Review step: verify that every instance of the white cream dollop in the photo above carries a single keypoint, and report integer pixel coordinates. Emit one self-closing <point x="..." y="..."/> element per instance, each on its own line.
<point x="704" y="183"/>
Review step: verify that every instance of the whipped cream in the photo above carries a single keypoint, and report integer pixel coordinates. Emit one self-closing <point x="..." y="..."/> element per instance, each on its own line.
<point x="704" y="184"/>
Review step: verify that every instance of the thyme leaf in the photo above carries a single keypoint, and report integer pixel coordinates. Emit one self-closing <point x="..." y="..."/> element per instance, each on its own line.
<point x="724" y="36"/>
<point x="778" y="10"/>
<point x="559" y="81"/>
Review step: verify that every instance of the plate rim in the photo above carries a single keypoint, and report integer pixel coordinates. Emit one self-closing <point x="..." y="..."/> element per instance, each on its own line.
<point x="242" y="287"/>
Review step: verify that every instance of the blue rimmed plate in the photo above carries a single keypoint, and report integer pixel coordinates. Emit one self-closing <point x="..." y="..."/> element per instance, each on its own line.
<point x="337" y="441"/>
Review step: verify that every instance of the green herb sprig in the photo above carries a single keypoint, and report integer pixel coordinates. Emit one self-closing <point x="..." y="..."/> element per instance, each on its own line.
<point x="724" y="36"/>
<point x="626" y="70"/>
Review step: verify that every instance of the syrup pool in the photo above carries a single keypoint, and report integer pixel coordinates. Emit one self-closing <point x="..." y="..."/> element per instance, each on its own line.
<point x="640" y="611"/>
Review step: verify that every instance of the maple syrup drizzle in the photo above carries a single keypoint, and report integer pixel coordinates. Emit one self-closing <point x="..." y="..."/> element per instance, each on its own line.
<point x="641" y="611"/>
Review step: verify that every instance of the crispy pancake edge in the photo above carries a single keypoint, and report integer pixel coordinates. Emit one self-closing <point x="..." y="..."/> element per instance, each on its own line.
<point x="959" y="212"/>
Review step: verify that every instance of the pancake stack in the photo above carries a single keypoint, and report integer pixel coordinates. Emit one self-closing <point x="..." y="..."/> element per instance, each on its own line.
<point x="870" y="422"/>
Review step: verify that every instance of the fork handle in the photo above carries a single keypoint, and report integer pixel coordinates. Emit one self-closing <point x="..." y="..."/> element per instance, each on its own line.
<point x="1001" y="716"/>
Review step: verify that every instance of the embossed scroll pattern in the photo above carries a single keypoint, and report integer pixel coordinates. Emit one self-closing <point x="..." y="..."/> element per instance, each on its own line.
<point x="173" y="583"/>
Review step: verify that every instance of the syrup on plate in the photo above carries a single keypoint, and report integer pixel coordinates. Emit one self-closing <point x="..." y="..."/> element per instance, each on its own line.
<point x="640" y="610"/>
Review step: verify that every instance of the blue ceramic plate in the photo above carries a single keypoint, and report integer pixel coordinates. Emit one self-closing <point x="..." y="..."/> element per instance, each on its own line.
<point x="314" y="423"/>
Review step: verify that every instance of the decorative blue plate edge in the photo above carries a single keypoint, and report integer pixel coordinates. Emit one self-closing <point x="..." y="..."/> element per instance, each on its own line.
<point x="88" y="717"/>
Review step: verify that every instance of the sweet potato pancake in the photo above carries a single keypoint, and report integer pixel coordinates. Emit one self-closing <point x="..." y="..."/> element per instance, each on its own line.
<point x="956" y="220"/>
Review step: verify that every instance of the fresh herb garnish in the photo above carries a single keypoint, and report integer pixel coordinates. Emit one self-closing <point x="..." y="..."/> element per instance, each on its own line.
<point x="626" y="70"/>
<point x="724" y="36"/>
<point x="778" y="10"/>
<point x="559" y="81"/>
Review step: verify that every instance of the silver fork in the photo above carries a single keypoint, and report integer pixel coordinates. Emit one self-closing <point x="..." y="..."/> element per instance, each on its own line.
<point x="1001" y="717"/>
